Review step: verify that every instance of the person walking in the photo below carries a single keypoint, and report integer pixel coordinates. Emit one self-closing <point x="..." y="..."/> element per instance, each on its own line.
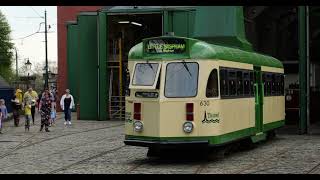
<point x="53" y="114"/>
<point x="45" y="111"/>
<point x="27" y="113"/>
<point x="32" y="97"/>
<point x="67" y="104"/>
<point x="3" y="113"/>
<point x="16" y="106"/>
<point x="1" y="122"/>
<point x="19" y="95"/>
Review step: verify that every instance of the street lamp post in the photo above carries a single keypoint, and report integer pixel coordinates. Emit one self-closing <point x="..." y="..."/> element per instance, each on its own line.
<point x="28" y="66"/>
<point x="45" y="22"/>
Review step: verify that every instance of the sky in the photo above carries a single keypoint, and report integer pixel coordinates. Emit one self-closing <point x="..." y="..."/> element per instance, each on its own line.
<point x="25" y="20"/>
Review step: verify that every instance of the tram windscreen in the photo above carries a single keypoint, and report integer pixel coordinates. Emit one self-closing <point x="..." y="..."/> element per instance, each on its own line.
<point x="145" y="74"/>
<point x="181" y="79"/>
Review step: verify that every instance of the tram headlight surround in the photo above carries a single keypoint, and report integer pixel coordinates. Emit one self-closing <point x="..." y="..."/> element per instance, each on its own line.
<point x="188" y="127"/>
<point x="138" y="126"/>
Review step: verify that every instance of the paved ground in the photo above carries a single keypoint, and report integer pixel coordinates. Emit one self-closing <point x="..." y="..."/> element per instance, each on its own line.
<point x="97" y="147"/>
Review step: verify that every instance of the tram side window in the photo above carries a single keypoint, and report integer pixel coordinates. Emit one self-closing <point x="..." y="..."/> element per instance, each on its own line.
<point x="269" y="85"/>
<point x="212" y="85"/>
<point x="232" y="83"/>
<point x="278" y="84"/>
<point x="239" y="83"/>
<point x="223" y="83"/>
<point x="282" y="85"/>
<point x="251" y="83"/>
<point x="264" y="80"/>
<point x="246" y="83"/>
<point x="274" y="87"/>
<point x="267" y="80"/>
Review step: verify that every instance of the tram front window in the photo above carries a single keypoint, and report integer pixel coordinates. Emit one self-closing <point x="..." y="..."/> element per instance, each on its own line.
<point x="181" y="79"/>
<point x="145" y="74"/>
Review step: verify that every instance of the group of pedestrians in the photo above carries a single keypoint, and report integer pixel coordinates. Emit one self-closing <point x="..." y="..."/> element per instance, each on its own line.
<point x="46" y="107"/>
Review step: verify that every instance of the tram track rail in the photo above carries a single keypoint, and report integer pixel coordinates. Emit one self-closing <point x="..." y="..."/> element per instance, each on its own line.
<point x="21" y="145"/>
<point x="134" y="167"/>
<point x="16" y="147"/>
<point x="86" y="159"/>
<point x="261" y="162"/>
<point x="313" y="169"/>
<point x="202" y="167"/>
<point x="58" y="152"/>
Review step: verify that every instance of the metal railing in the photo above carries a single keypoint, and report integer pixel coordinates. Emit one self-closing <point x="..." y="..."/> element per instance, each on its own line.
<point x="117" y="107"/>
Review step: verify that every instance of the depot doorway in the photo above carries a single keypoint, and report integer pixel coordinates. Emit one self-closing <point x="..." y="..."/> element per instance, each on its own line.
<point x="124" y="32"/>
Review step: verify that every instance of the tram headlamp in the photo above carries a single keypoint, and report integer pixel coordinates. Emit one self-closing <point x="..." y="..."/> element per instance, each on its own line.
<point x="138" y="126"/>
<point x="188" y="127"/>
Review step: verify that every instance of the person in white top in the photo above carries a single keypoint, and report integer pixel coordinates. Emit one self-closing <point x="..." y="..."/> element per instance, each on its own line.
<point x="67" y="104"/>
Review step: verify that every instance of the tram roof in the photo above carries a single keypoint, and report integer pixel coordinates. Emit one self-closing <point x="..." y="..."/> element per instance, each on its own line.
<point x="197" y="49"/>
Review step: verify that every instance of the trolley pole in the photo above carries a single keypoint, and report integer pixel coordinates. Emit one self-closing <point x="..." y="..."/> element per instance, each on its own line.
<point x="46" y="41"/>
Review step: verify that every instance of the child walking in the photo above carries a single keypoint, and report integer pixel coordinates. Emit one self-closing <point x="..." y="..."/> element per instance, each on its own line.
<point x="3" y="113"/>
<point x="27" y="113"/>
<point x="53" y="114"/>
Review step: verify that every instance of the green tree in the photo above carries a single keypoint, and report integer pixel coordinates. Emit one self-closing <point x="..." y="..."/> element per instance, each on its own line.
<point x="6" y="47"/>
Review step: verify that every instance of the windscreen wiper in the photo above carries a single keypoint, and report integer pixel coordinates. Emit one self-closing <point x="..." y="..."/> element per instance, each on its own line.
<point x="150" y="66"/>
<point x="186" y="66"/>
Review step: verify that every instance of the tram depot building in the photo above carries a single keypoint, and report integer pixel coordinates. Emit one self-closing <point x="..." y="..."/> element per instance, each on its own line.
<point x="94" y="42"/>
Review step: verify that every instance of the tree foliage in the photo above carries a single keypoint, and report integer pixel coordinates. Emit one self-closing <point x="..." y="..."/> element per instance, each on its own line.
<point x="6" y="47"/>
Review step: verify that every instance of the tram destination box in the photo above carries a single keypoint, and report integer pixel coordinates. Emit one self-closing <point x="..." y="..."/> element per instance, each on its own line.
<point x="165" y="46"/>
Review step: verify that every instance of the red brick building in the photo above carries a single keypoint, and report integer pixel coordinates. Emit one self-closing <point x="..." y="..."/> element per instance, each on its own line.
<point x="64" y="14"/>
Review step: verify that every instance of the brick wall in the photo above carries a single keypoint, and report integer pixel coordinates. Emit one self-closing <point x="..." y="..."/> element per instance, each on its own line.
<point x="66" y="13"/>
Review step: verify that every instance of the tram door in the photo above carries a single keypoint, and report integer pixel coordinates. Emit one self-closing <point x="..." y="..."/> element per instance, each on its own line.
<point x="258" y="92"/>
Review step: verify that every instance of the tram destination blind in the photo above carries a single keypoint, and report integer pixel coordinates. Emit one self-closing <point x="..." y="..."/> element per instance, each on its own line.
<point x="165" y="46"/>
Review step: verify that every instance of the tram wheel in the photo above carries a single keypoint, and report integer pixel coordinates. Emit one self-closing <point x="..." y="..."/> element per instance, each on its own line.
<point x="246" y="144"/>
<point x="153" y="152"/>
<point x="217" y="153"/>
<point x="271" y="135"/>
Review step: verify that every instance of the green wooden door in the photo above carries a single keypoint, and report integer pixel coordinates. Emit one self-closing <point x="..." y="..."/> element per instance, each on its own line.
<point x="258" y="89"/>
<point x="88" y="62"/>
<point x="181" y="22"/>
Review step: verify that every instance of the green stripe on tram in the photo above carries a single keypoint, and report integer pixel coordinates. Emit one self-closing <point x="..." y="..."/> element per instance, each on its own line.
<point x="225" y="138"/>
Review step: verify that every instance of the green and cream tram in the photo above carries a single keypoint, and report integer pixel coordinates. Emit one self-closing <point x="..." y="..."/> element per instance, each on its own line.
<point x="185" y="91"/>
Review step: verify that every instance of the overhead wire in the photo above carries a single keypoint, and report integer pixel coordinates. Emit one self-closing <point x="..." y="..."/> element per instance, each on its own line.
<point x="38" y="31"/>
<point x="35" y="11"/>
<point x="30" y="34"/>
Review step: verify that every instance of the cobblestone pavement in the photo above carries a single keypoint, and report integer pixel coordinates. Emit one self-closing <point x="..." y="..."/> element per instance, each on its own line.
<point x="97" y="147"/>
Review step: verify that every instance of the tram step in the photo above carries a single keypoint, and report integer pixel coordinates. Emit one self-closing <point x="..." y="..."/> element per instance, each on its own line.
<point x="259" y="137"/>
